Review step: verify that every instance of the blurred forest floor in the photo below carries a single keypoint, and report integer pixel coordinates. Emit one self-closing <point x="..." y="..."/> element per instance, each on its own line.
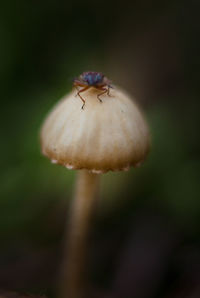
<point x="147" y="226"/>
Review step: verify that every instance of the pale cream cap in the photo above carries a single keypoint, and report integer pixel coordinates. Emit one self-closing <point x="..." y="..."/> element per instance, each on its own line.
<point x="107" y="136"/>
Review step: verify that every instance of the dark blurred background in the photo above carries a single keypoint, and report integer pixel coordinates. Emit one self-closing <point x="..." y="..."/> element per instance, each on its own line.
<point x="145" y="240"/>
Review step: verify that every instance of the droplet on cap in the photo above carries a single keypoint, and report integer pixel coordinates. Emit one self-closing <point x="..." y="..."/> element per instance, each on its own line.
<point x="54" y="161"/>
<point x="69" y="166"/>
<point x="97" y="171"/>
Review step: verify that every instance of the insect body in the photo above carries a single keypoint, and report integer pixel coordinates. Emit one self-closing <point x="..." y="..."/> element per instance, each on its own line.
<point x="92" y="79"/>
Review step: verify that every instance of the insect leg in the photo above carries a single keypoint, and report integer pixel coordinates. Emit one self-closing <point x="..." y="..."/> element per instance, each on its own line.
<point x="76" y="89"/>
<point x="108" y="91"/>
<point x="83" y="100"/>
<point x="77" y="84"/>
<point x="104" y="91"/>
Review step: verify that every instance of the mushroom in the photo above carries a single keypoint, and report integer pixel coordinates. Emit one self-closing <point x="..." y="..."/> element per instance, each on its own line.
<point x="104" y="136"/>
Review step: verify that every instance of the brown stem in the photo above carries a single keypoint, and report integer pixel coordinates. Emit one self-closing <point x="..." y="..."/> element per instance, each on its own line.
<point x="73" y="279"/>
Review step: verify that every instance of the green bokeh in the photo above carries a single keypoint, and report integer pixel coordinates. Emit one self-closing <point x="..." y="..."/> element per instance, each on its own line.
<point x="43" y="46"/>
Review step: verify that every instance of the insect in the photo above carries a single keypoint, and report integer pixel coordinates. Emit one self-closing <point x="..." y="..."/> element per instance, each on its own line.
<point x="92" y="79"/>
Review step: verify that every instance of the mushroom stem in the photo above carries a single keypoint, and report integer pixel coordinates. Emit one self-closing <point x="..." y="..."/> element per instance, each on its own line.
<point x="73" y="283"/>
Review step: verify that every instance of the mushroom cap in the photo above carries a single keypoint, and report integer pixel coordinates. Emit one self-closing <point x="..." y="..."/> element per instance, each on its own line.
<point x="107" y="136"/>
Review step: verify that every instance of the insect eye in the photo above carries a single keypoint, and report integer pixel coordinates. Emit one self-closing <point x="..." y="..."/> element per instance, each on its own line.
<point x="85" y="78"/>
